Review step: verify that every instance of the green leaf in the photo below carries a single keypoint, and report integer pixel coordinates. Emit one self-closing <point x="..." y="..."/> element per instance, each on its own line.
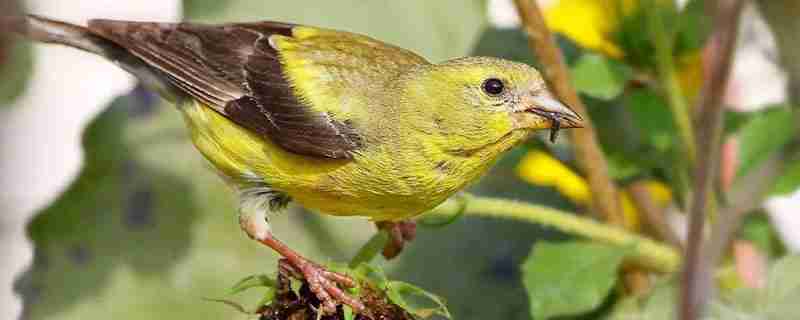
<point x="735" y="120"/>
<point x="348" y="313"/>
<point x="778" y="301"/>
<point x="621" y="167"/>
<point x="253" y="281"/>
<point x="599" y="77"/>
<point x="267" y="298"/>
<point x="416" y="301"/>
<point x="693" y="28"/>
<point x="233" y="304"/>
<point x="371" y="274"/>
<point x="659" y="305"/>
<point x="789" y="181"/>
<point x="757" y="229"/>
<point x="764" y="135"/>
<point x="569" y="278"/>
<point x="652" y="116"/>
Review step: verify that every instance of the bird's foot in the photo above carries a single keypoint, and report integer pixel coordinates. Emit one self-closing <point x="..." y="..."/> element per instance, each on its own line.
<point x="324" y="284"/>
<point x="399" y="233"/>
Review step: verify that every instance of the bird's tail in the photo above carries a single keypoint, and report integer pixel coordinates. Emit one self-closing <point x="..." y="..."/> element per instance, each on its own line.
<point x="41" y="29"/>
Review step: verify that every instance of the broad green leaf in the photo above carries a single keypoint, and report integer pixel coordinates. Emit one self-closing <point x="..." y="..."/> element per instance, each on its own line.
<point x="599" y="77"/>
<point x="778" y="301"/>
<point x="789" y="181"/>
<point x="569" y="278"/>
<point x="416" y="301"/>
<point x="658" y="305"/>
<point x="615" y="123"/>
<point x="652" y="116"/>
<point x="762" y="136"/>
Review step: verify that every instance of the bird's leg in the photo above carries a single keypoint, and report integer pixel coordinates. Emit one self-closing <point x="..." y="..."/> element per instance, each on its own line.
<point x="399" y="233"/>
<point x="323" y="283"/>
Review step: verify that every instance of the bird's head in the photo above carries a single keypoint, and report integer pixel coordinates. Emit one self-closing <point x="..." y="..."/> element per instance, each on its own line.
<point x="478" y="101"/>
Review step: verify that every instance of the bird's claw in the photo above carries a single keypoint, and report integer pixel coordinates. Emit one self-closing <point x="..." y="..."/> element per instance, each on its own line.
<point x="324" y="284"/>
<point x="399" y="234"/>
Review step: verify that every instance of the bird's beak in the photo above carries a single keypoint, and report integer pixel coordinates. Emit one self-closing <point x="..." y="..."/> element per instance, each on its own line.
<point x="559" y="115"/>
<point x="548" y="107"/>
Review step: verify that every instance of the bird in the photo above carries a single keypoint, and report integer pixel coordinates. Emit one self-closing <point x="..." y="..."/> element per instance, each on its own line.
<point x="338" y="122"/>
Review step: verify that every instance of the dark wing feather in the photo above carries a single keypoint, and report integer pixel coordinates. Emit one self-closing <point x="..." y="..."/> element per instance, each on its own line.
<point x="233" y="69"/>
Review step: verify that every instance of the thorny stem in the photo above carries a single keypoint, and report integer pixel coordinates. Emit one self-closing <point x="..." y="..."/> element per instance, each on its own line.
<point x="646" y="252"/>
<point x="587" y="150"/>
<point x="696" y="282"/>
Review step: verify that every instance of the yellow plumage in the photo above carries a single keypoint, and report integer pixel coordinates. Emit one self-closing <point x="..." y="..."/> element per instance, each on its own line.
<point x="426" y="137"/>
<point x="338" y="122"/>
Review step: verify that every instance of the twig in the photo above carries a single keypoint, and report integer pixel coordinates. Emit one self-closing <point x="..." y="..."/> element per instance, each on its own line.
<point x="646" y="252"/>
<point x="587" y="150"/>
<point x="696" y="282"/>
<point x="652" y="215"/>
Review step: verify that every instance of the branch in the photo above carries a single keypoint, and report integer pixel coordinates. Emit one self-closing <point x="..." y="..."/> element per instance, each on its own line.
<point x="647" y="253"/>
<point x="696" y="284"/>
<point x="652" y="215"/>
<point x="587" y="150"/>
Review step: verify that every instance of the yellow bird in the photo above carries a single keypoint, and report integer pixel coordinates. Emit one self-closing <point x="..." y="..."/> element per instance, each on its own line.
<point x="335" y="121"/>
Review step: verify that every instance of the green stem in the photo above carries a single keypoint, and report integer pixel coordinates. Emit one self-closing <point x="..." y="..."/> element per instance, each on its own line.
<point x="370" y="249"/>
<point x="647" y="253"/>
<point x="679" y="108"/>
<point x="665" y="67"/>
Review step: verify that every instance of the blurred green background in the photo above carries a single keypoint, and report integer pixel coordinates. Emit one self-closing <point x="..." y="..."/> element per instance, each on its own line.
<point x="147" y="231"/>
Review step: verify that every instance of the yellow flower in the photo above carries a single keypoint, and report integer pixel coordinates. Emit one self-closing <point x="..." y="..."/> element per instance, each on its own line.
<point x="590" y="23"/>
<point x="539" y="168"/>
<point x="593" y="23"/>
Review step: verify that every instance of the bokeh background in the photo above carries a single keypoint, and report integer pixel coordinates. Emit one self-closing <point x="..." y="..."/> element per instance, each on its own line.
<point x="108" y="212"/>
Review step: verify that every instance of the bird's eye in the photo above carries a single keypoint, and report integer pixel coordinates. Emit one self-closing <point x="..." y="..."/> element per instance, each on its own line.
<point x="493" y="86"/>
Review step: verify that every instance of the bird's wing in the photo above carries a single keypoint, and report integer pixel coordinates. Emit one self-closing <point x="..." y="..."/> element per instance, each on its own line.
<point x="294" y="85"/>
